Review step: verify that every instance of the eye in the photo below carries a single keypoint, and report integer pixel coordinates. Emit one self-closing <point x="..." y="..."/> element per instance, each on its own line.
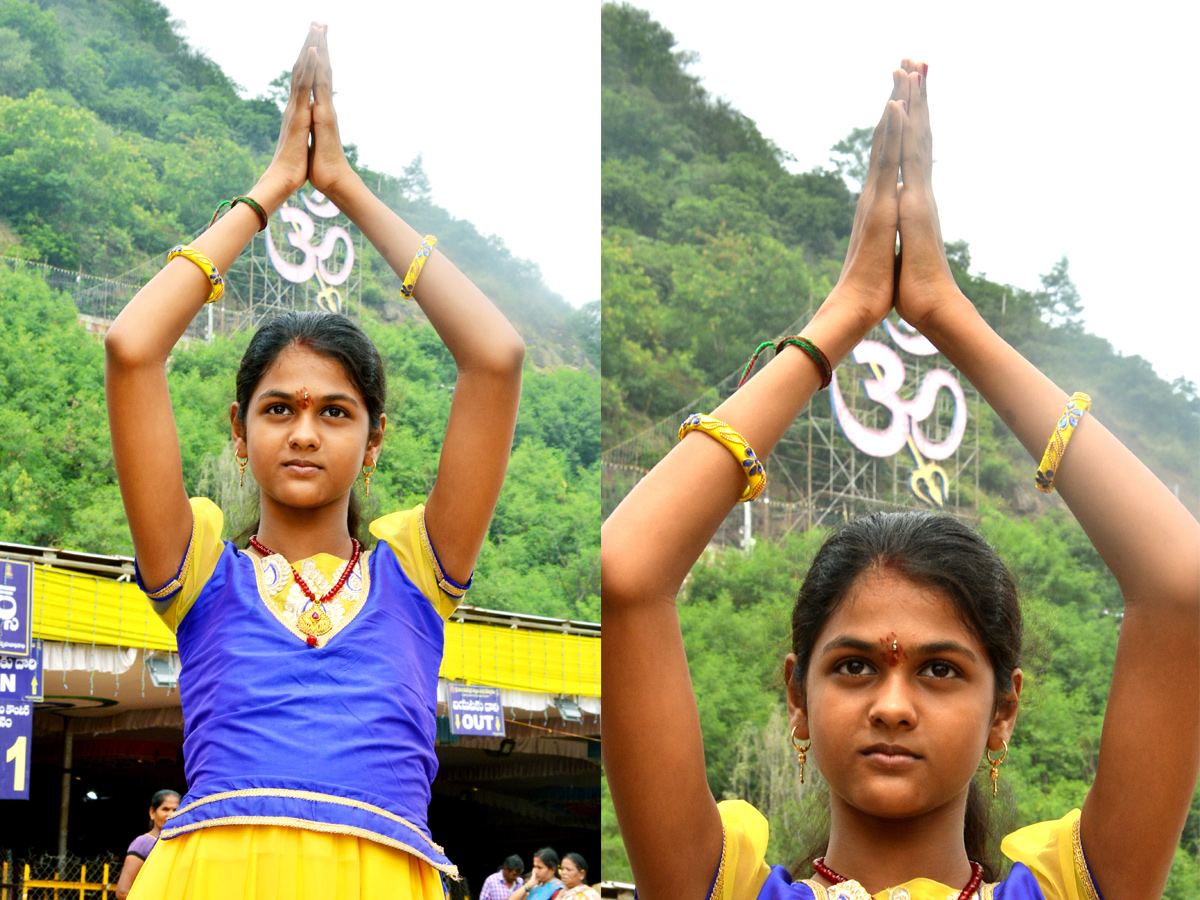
<point x="939" y="669"/>
<point x="277" y="409"/>
<point x="854" y="667"/>
<point x="335" y="412"/>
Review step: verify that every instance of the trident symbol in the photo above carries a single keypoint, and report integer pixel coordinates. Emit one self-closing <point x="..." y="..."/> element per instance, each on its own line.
<point x="928" y="481"/>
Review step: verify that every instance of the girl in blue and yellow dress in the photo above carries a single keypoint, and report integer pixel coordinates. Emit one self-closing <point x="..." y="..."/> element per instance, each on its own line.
<point x="309" y="663"/>
<point x="904" y="672"/>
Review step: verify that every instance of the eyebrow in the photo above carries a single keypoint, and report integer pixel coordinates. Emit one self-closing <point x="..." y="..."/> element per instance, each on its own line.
<point x="327" y="398"/>
<point x="845" y="642"/>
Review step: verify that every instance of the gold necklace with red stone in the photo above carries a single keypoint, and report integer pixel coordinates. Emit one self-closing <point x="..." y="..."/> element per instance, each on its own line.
<point x="965" y="894"/>
<point x="317" y="622"/>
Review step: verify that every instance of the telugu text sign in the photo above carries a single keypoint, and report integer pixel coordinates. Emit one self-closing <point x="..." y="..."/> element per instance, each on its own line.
<point x="20" y="686"/>
<point x="475" y="709"/>
<point x="16" y="592"/>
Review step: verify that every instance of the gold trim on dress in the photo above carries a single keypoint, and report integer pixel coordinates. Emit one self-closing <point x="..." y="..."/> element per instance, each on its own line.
<point x="719" y="879"/>
<point x="456" y="591"/>
<point x="281" y="595"/>
<point x="293" y="794"/>
<point x="177" y="582"/>
<point x="1090" y="890"/>
<point x="325" y="827"/>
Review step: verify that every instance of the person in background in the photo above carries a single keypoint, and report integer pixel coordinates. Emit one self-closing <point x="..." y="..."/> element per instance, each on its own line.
<point x="162" y="804"/>
<point x="542" y="883"/>
<point x="501" y="884"/>
<point x="573" y="872"/>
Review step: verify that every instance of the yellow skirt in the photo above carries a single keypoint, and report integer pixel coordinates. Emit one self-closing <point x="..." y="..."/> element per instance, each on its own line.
<point x="268" y="862"/>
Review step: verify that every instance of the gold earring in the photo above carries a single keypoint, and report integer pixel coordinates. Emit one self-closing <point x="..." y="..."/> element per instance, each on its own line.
<point x="801" y="752"/>
<point x="368" y="471"/>
<point x="241" y="464"/>
<point x="995" y="764"/>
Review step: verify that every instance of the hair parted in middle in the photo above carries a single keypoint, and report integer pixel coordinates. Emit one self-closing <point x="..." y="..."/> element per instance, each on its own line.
<point x="938" y="551"/>
<point x="331" y="335"/>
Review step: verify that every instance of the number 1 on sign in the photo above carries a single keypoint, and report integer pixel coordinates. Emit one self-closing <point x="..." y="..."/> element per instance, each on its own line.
<point x="16" y="753"/>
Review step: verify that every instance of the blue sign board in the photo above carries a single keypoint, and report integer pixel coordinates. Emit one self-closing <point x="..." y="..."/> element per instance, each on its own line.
<point x="20" y="688"/>
<point x="16" y="604"/>
<point x="475" y="709"/>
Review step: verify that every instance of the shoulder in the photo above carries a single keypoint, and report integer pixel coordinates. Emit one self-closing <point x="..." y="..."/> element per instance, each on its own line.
<point x="404" y="532"/>
<point x="742" y="869"/>
<point x="173" y="599"/>
<point x="1052" y="854"/>
<point x="141" y="846"/>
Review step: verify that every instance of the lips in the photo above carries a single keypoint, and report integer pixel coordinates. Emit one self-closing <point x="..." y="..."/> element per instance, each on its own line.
<point x="301" y="466"/>
<point x="890" y="755"/>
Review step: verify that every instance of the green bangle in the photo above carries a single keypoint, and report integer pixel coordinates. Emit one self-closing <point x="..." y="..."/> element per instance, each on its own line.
<point x="253" y="204"/>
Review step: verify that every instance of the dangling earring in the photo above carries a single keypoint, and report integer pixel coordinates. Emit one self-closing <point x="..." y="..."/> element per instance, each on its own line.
<point x="241" y="464"/>
<point x="995" y="764"/>
<point x="368" y="471"/>
<point x="801" y="752"/>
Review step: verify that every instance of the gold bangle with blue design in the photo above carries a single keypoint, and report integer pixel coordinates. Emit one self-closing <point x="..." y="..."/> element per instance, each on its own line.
<point x="752" y="467"/>
<point x="418" y="263"/>
<point x="1079" y="404"/>
<point x="206" y="266"/>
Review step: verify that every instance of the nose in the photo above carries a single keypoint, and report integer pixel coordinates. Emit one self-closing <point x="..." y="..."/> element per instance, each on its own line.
<point x="304" y="432"/>
<point x="892" y="705"/>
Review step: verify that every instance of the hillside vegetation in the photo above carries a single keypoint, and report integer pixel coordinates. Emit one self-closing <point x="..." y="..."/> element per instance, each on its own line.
<point x="710" y="244"/>
<point x="117" y="140"/>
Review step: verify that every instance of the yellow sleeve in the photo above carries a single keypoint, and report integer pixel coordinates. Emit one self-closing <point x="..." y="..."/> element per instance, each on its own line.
<point x="743" y="867"/>
<point x="1053" y="852"/>
<point x="173" y="600"/>
<point x="405" y="533"/>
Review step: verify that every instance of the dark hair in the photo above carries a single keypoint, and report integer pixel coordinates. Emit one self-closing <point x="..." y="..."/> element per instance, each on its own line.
<point x="548" y="856"/>
<point x="330" y="335"/>
<point x="514" y="864"/>
<point x="580" y="862"/>
<point x="934" y="550"/>
<point x="160" y="797"/>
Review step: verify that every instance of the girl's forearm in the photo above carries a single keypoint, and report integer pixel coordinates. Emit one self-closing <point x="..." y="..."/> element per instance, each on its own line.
<point x="682" y="501"/>
<point x="155" y="319"/>
<point x="1144" y="535"/>
<point x="476" y="333"/>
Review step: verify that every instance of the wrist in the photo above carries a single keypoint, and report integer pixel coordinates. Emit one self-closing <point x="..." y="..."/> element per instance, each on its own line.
<point x="347" y="192"/>
<point x="271" y="191"/>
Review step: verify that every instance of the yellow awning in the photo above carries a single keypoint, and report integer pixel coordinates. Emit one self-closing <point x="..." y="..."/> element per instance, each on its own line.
<point x="83" y="609"/>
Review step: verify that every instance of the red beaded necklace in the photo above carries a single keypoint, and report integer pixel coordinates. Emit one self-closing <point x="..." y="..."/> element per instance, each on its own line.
<point x="318" y="614"/>
<point x="973" y="885"/>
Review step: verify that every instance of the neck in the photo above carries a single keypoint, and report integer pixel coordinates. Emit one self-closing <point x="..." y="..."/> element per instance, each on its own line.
<point x="154" y="831"/>
<point x="880" y="853"/>
<point x="301" y="533"/>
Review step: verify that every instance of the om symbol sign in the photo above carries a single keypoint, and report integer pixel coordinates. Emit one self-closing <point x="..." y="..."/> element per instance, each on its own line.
<point x="314" y="256"/>
<point x="928" y="481"/>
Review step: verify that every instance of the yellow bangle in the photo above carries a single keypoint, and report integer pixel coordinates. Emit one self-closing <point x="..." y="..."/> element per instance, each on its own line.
<point x="206" y="266"/>
<point x="1057" y="448"/>
<point x="418" y="263"/>
<point x="756" y="476"/>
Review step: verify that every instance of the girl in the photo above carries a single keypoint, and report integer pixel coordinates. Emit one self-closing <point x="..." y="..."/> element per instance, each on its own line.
<point x="162" y="804"/>
<point x="309" y="663"/>
<point x="904" y="671"/>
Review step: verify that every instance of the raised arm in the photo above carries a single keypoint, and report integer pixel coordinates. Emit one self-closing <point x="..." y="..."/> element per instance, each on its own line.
<point x="145" y="443"/>
<point x="486" y="349"/>
<point x="653" y="751"/>
<point x="1150" y="744"/>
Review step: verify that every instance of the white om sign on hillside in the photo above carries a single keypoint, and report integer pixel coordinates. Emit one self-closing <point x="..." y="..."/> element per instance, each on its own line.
<point x="316" y="252"/>
<point x="928" y="481"/>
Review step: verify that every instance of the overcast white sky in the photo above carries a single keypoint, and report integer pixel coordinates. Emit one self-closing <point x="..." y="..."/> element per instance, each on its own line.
<point x="503" y="101"/>
<point x="1059" y="129"/>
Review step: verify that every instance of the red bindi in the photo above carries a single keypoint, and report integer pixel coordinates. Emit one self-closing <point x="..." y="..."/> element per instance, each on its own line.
<point x="891" y="648"/>
<point x="304" y="401"/>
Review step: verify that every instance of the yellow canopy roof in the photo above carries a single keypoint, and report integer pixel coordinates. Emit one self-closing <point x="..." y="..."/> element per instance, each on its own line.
<point x="83" y="609"/>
